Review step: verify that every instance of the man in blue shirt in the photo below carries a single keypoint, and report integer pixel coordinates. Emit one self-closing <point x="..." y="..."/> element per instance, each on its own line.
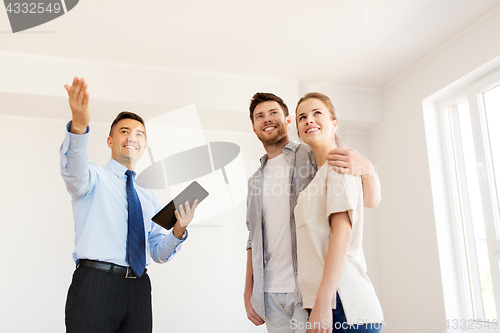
<point x="106" y="294"/>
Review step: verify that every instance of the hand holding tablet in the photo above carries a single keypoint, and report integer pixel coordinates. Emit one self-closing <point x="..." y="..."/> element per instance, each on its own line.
<point x="185" y="214"/>
<point x="193" y="194"/>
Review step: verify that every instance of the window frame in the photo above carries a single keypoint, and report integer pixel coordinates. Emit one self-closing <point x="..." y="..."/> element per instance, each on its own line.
<point x="446" y="192"/>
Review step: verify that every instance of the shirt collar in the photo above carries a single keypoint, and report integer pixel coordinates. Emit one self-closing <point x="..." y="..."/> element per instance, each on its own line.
<point x="291" y="146"/>
<point x="117" y="168"/>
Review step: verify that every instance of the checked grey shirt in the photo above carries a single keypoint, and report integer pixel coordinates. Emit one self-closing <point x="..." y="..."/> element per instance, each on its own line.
<point x="303" y="167"/>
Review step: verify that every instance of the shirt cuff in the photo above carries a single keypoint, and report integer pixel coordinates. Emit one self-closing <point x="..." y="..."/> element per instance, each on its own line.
<point x="76" y="143"/>
<point x="173" y="244"/>
<point x="183" y="237"/>
<point x="249" y="244"/>
<point x="68" y="126"/>
<point x="173" y="241"/>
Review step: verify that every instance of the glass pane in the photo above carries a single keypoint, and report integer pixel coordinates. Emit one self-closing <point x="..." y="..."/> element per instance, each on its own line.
<point x="472" y="214"/>
<point x="492" y="108"/>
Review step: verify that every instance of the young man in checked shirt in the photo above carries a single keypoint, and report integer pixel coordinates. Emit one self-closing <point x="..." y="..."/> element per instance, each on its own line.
<point x="271" y="291"/>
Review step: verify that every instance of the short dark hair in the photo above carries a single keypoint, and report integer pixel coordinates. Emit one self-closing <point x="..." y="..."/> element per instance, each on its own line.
<point x="126" y="115"/>
<point x="262" y="97"/>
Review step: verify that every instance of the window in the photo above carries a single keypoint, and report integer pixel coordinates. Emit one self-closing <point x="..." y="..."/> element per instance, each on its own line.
<point x="471" y="224"/>
<point x="463" y="139"/>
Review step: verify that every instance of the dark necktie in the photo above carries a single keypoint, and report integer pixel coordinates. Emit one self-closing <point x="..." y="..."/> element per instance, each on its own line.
<point x="136" y="250"/>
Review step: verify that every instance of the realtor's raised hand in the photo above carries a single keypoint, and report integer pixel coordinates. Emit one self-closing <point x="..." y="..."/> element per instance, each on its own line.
<point x="79" y="104"/>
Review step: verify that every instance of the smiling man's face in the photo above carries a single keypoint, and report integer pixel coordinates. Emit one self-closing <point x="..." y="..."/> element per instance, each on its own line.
<point x="127" y="142"/>
<point x="270" y="123"/>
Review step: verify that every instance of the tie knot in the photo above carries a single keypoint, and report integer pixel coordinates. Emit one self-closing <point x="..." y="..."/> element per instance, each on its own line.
<point x="129" y="173"/>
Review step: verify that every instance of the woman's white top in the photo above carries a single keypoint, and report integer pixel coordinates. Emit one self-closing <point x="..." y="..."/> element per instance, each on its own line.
<point x="331" y="192"/>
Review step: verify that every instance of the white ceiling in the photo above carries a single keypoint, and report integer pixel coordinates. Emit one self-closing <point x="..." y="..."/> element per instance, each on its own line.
<point x="357" y="43"/>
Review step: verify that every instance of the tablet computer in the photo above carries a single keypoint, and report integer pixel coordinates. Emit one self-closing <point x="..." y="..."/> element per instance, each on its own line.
<point x="166" y="217"/>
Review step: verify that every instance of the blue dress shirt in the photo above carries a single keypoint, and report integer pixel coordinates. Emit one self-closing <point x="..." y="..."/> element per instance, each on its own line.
<point x="99" y="198"/>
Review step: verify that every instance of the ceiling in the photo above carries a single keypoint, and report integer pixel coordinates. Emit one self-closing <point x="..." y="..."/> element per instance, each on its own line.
<point x="355" y="43"/>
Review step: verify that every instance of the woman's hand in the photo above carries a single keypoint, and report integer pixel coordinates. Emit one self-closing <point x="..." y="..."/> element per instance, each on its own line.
<point x="349" y="161"/>
<point x="320" y="320"/>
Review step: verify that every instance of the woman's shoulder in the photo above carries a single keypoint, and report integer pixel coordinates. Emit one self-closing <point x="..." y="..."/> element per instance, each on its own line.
<point x="337" y="177"/>
<point x="330" y="171"/>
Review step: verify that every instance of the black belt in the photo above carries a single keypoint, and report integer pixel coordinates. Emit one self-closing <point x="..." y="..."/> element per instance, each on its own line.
<point x="111" y="268"/>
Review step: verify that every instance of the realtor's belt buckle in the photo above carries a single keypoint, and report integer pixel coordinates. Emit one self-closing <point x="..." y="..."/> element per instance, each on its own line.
<point x="130" y="273"/>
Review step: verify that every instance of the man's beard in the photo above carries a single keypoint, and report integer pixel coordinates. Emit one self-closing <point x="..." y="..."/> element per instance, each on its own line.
<point x="279" y="138"/>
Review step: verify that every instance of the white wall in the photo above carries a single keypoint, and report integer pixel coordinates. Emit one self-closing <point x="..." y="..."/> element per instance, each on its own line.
<point x="36" y="227"/>
<point x="154" y="88"/>
<point x="409" y="270"/>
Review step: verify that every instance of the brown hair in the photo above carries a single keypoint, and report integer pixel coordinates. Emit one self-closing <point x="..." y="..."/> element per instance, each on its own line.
<point x="126" y="115"/>
<point x="262" y="97"/>
<point x="328" y="103"/>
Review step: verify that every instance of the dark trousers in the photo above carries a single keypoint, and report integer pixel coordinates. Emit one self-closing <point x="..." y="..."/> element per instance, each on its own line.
<point x="102" y="302"/>
<point x="340" y="322"/>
